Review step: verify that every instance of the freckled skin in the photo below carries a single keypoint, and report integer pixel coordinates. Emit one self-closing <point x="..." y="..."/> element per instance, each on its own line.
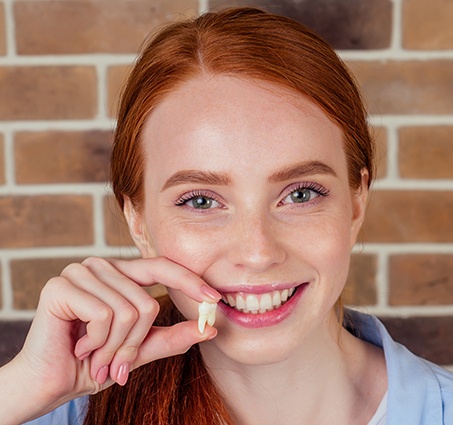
<point x="254" y="233"/>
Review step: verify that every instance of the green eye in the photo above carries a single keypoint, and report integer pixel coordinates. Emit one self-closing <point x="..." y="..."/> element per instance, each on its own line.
<point x="201" y="202"/>
<point x="301" y="195"/>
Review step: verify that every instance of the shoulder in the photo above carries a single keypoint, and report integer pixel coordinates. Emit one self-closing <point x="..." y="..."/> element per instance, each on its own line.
<point x="71" y="413"/>
<point x="419" y="392"/>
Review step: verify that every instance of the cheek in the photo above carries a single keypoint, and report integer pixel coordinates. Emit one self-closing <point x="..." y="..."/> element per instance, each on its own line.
<point x="191" y="248"/>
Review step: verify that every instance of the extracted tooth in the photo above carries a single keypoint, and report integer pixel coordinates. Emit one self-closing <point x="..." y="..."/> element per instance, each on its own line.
<point x="206" y="312"/>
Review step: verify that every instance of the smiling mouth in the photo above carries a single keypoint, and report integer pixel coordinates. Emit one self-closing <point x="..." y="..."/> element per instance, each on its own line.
<point x="258" y="303"/>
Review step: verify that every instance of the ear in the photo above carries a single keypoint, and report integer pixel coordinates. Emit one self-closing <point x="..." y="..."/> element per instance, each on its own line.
<point x="138" y="229"/>
<point x="359" y="203"/>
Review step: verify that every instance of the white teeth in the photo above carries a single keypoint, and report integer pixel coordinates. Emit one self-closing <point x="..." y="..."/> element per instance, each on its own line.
<point x="284" y="295"/>
<point x="251" y="303"/>
<point x="266" y="303"/>
<point x="231" y="300"/>
<point x="206" y="313"/>
<point x="240" y="303"/>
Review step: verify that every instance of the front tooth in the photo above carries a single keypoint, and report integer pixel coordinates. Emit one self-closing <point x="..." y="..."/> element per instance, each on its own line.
<point x="252" y="303"/>
<point x="266" y="302"/>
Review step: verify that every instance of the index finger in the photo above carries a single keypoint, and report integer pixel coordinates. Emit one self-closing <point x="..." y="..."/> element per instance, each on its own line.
<point x="150" y="271"/>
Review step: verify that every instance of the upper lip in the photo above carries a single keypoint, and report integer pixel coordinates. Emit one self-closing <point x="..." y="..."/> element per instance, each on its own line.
<point x="258" y="288"/>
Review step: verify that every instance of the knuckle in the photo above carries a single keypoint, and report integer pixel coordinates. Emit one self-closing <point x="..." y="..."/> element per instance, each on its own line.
<point x="128" y="352"/>
<point x="127" y="314"/>
<point x="104" y="314"/>
<point x="73" y="269"/>
<point x="95" y="262"/>
<point x="54" y="286"/>
<point x="149" y="308"/>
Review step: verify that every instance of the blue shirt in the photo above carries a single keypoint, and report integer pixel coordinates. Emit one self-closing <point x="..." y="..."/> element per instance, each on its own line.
<point x="419" y="392"/>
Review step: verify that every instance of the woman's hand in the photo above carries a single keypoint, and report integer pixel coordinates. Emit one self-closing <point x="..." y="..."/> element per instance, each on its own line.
<point x="93" y="325"/>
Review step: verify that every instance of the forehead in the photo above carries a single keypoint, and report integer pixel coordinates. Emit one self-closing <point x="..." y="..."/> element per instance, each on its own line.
<point x="211" y="120"/>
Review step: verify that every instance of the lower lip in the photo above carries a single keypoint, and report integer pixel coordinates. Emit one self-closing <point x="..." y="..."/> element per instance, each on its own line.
<point x="261" y="320"/>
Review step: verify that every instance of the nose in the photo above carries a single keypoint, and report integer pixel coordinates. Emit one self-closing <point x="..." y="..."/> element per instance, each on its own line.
<point x="255" y="243"/>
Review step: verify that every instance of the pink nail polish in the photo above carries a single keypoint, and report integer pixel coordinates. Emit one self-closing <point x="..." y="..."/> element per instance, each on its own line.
<point x="123" y="373"/>
<point x="102" y="375"/>
<point x="210" y="292"/>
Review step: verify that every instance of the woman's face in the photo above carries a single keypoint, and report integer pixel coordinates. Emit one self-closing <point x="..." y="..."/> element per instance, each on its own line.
<point x="246" y="185"/>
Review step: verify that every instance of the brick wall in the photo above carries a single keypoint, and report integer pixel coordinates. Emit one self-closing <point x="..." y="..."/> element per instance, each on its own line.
<point x="61" y="66"/>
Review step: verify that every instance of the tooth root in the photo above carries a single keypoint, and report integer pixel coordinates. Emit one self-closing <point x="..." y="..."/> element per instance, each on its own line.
<point x="202" y="319"/>
<point x="206" y="313"/>
<point x="211" y="318"/>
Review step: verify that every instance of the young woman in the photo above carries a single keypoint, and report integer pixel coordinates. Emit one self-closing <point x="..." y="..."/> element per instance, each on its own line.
<point x="242" y="162"/>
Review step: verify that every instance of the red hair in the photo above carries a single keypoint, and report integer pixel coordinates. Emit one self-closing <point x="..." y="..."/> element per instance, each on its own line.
<point x="247" y="43"/>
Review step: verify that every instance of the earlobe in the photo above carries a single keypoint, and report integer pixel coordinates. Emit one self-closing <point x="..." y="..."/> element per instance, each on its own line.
<point x="137" y="228"/>
<point x="359" y="203"/>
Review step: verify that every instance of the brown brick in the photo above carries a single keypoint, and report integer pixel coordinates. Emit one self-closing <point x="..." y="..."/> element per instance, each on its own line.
<point x="421" y="279"/>
<point x="12" y="338"/>
<point x="45" y="220"/>
<point x="380" y="137"/>
<point x="428" y="337"/>
<point x="47" y="92"/>
<point x="2" y="160"/>
<point x="426" y="152"/>
<point x="75" y="27"/>
<point x="352" y="24"/>
<point x="62" y="157"/>
<point x="2" y="30"/>
<point x="116" y="230"/>
<point x="30" y="275"/>
<point x="427" y="25"/>
<point x="408" y="87"/>
<point x="409" y="216"/>
<point x="361" y="285"/>
<point x="116" y="78"/>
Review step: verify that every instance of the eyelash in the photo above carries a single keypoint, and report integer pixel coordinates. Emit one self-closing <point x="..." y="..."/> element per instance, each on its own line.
<point x="315" y="187"/>
<point x="195" y="194"/>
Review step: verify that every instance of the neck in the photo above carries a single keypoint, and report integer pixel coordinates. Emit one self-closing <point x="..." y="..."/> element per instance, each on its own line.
<point x="339" y="379"/>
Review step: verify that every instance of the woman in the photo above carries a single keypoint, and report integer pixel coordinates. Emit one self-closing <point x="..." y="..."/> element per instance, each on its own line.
<point x="242" y="162"/>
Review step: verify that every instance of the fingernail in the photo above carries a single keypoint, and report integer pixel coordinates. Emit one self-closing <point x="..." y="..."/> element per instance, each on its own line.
<point x="123" y="373"/>
<point x="102" y="375"/>
<point x="210" y="292"/>
<point x="84" y="356"/>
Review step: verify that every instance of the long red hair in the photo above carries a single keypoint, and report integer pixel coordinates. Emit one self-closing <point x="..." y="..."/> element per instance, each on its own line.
<point x="247" y="43"/>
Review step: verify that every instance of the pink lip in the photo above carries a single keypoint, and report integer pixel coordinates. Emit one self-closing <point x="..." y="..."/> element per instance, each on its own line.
<point x="261" y="320"/>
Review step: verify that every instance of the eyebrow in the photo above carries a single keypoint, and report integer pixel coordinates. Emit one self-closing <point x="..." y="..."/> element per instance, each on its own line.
<point x="196" y="176"/>
<point x="300" y="170"/>
<point x="220" y="179"/>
